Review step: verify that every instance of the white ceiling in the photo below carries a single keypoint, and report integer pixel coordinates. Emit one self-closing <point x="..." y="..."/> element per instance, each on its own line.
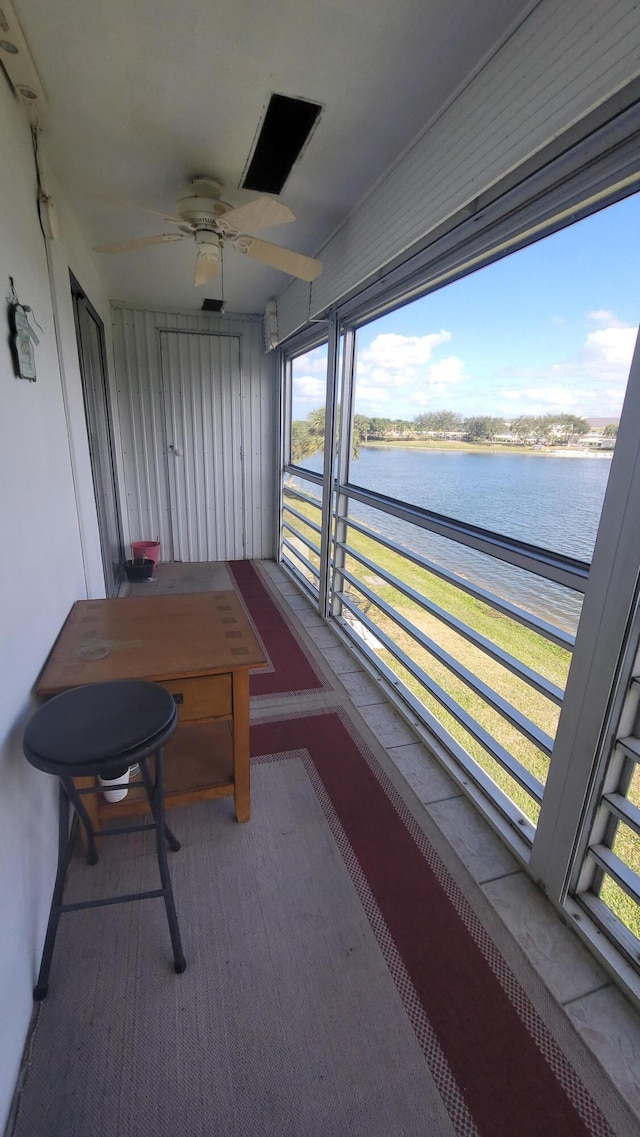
<point x="142" y="95"/>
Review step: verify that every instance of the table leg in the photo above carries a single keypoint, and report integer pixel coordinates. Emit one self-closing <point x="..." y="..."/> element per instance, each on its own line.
<point x="241" y="745"/>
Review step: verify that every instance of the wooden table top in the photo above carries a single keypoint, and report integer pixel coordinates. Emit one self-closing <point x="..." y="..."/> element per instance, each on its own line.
<point x="151" y="637"/>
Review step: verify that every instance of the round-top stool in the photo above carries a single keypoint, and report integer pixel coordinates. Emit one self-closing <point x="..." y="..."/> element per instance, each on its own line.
<point x="101" y="730"/>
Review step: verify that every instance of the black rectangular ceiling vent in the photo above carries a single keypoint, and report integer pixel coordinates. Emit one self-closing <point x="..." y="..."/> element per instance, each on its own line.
<point x="212" y="305"/>
<point x="285" y="130"/>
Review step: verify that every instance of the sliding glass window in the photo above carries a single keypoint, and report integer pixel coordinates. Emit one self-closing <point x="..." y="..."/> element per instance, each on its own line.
<point x="485" y="419"/>
<point x="302" y="483"/>
<point x="470" y="494"/>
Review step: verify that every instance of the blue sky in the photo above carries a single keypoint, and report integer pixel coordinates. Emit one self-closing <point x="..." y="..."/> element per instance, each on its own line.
<point x="550" y="328"/>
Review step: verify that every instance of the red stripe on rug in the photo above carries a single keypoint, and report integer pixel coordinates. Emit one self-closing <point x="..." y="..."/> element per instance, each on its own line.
<point x="505" y="1080"/>
<point x="292" y="668"/>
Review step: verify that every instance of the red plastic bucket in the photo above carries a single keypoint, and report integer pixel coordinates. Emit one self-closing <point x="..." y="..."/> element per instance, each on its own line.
<point x="148" y="549"/>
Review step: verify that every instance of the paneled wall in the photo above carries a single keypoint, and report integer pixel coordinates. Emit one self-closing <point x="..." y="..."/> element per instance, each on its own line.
<point x="143" y="434"/>
<point x="51" y="552"/>
<point x="566" y="58"/>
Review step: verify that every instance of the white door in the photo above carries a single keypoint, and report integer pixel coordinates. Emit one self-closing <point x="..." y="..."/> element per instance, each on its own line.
<point x="204" y="444"/>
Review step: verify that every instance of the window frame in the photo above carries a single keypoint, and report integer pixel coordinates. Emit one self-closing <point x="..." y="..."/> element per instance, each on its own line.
<point x="599" y="169"/>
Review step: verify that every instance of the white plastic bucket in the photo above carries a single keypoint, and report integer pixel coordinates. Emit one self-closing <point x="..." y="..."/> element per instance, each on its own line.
<point x="121" y="786"/>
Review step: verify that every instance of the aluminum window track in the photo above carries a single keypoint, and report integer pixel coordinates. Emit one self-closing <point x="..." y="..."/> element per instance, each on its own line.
<point x="555" y="635"/>
<point x="305" y="585"/>
<point x="525" y="779"/>
<point x="624" y="810"/>
<point x="465" y="764"/>
<point x="304" y="475"/>
<point x="303" y="560"/>
<point x="619" y="872"/>
<point x="301" y="537"/>
<point x="301" y="517"/>
<point x="532" y="678"/>
<point x="300" y="495"/>
<point x="568" y="571"/>
<point x="630" y="746"/>
<point x="484" y="692"/>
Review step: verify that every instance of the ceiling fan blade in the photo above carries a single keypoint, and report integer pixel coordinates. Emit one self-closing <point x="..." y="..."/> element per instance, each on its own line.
<point x="138" y="243"/>
<point x="207" y="266"/>
<point x="258" y="214"/>
<point x="296" y="264"/>
<point x="134" y="205"/>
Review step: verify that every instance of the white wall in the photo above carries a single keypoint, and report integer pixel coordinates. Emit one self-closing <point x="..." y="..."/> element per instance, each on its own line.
<point x="146" y="505"/>
<point x="565" y="59"/>
<point x="42" y="568"/>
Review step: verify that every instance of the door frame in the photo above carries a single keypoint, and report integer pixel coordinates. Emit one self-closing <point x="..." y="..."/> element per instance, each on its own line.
<point x="112" y="581"/>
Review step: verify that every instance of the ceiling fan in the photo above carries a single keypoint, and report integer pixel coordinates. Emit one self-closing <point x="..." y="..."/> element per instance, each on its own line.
<point x="202" y="215"/>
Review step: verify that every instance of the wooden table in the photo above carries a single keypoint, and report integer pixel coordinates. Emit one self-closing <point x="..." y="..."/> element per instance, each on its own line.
<point x="201" y="647"/>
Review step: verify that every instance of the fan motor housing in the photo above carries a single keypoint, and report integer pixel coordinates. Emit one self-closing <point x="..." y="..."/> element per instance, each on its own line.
<point x="200" y="210"/>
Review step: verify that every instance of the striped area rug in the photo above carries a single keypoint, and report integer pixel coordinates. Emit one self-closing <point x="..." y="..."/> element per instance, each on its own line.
<point x="291" y="670"/>
<point x="495" y="1062"/>
<point x="498" y="1068"/>
<point x="339" y="980"/>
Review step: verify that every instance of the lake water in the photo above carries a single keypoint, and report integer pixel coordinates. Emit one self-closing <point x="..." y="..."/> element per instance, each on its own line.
<point x="553" y="502"/>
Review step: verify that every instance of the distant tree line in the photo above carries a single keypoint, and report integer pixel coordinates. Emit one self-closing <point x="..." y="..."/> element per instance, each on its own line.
<point x="307" y="435"/>
<point x="524" y="428"/>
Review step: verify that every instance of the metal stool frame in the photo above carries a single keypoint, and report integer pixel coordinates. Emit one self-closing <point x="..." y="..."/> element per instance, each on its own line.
<point x="69" y="793"/>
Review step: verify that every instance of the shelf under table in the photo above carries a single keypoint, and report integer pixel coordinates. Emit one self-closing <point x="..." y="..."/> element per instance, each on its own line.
<point x="198" y="765"/>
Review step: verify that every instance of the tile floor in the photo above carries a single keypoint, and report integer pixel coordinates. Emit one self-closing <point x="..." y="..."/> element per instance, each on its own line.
<point x="604" y="1018"/>
<point x="593" y="1005"/>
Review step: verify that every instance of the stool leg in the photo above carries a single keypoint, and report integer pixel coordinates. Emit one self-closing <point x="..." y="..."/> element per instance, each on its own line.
<point x="42" y="986"/>
<point x="78" y="805"/>
<point x="172" y="841"/>
<point x="156" y="802"/>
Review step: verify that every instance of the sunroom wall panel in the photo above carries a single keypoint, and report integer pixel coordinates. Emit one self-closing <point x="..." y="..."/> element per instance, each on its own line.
<point x="562" y="62"/>
<point x="51" y="551"/>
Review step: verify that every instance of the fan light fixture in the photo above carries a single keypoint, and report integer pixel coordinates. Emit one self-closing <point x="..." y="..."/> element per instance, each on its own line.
<point x="208" y="256"/>
<point x="211" y="222"/>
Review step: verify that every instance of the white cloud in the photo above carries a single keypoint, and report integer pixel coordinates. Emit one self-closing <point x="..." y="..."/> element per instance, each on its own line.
<point x="551" y="398"/>
<point x="307" y="393"/>
<point x="612" y="346"/>
<point x="308" y="387"/>
<point x="399" y="377"/>
<point x="437" y="382"/>
<point x="370" y="395"/>
<point x="445" y="373"/>
<point x="313" y="362"/>
<point x="592" y="382"/>
<point x="600" y="315"/>
<point x="408" y="386"/>
<point x="398" y="370"/>
<point x="393" y="352"/>
<point x="605" y="317"/>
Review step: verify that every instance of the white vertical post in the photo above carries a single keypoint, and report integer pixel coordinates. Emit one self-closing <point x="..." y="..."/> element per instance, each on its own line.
<point x="333" y="351"/>
<point x="575" y="771"/>
<point x="344" y="455"/>
<point x="283" y="441"/>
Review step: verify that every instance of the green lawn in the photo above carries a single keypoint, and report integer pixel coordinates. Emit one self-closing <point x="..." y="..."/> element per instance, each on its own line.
<point x="548" y="659"/>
